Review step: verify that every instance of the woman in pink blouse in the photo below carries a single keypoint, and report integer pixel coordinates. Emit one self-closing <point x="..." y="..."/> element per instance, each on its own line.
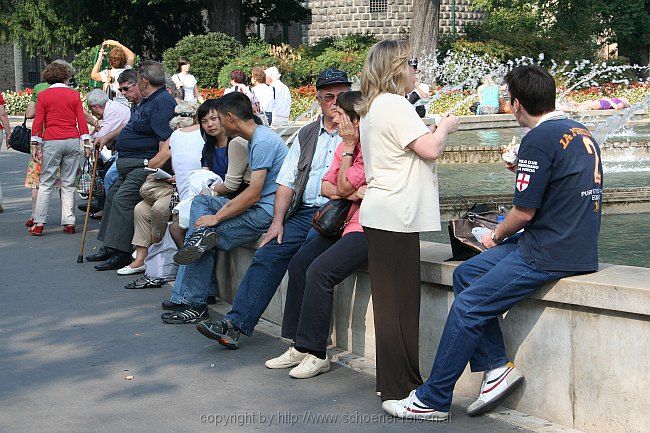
<point x="324" y="262"/>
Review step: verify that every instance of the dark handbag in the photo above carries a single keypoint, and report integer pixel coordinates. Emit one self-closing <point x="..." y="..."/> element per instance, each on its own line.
<point x="21" y="137"/>
<point x="330" y="219"/>
<point x="463" y="243"/>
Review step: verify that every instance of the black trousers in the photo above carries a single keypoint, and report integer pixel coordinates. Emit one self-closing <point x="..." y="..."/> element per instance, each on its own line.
<point x="394" y="265"/>
<point x="319" y="265"/>
<point x="116" y="230"/>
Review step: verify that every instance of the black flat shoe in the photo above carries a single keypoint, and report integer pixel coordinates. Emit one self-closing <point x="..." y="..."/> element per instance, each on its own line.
<point x="118" y="261"/>
<point x="211" y="300"/>
<point x="100" y="256"/>
<point x="94" y="216"/>
<point x="94" y="207"/>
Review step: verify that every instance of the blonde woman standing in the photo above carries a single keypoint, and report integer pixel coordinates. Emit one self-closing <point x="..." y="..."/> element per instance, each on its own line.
<point x="400" y="154"/>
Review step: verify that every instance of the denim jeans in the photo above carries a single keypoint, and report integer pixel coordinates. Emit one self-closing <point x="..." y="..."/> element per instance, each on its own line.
<point x="194" y="282"/>
<point x="111" y="174"/>
<point x="486" y="286"/>
<point x="265" y="273"/>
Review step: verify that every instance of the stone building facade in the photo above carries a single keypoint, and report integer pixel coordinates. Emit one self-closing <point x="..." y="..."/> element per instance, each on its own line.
<point x="383" y="18"/>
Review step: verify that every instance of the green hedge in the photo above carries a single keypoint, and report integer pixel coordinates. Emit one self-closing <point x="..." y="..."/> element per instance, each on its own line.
<point x="207" y="53"/>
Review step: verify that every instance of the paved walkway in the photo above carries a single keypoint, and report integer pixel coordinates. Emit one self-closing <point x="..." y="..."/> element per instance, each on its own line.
<point x="70" y="337"/>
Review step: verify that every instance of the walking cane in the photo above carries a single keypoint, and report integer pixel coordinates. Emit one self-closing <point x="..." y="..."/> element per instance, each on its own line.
<point x="80" y="259"/>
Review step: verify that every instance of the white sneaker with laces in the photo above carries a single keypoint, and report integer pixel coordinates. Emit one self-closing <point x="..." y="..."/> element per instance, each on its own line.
<point x="497" y="385"/>
<point x="288" y="359"/>
<point x="412" y="408"/>
<point x="310" y="367"/>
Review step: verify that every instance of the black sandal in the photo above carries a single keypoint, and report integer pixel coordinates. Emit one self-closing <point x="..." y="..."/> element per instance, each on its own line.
<point x="94" y="216"/>
<point x="145" y="282"/>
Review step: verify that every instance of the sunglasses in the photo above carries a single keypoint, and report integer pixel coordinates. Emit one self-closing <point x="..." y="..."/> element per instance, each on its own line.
<point x="328" y="97"/>
<point x="413" y="62"/>
<point x="125" y="88"/>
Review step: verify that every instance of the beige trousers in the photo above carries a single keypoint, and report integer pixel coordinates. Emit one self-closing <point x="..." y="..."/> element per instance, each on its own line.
<point x="150" y="222"/>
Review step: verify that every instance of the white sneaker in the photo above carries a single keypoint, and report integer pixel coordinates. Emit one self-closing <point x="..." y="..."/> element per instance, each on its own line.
<point x="497" y="385"/>
<point x="309" y="367"/>
<point x="288" y="359"/>
<point x="412" y="408"/>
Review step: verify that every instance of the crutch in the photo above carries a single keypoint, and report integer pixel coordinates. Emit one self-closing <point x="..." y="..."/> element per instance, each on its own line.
<point x="80" y="259"/>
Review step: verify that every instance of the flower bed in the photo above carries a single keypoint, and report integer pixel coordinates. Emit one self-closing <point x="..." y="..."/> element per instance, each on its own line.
<point x="303" y="97"/>
<point x="16" y="102"/>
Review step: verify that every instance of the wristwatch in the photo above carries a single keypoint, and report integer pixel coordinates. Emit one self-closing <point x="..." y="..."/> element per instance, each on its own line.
<point x="347" y="154"/>
<point x="146" y="162"/>
<point x="493" y="236"/>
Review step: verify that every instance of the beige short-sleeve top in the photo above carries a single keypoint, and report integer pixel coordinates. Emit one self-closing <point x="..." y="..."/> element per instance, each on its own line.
<point x="402" y="194"/>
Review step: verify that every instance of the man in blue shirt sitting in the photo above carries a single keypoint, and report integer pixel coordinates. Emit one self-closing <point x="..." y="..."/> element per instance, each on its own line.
<point x="557" y="201"/>
<point x="296" y="200"/>
<point x="143" y="142"/>
<point x="216" y="221"/>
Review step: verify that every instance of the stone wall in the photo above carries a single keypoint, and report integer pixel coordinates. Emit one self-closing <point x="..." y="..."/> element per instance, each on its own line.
<point x="7" y="72"/>
<point x="582" y="342"/>
<point x="342" y="17"/>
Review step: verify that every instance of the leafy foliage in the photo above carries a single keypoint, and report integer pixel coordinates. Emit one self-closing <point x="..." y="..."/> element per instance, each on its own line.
<point x="255" y="53"/>
<point x="562" y="29"/>
<point x="207" y="53"/>
<point x="83" y="63"/>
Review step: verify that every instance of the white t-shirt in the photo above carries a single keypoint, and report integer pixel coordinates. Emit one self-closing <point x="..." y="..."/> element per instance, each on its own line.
<point x="264" y="95"/>
<point x="281" y="102"/>
<point x="189" y="83"/>
<point x="402" y="193"/>
<point x="110" y="76"/>
<point x="186" y="149"/>
<point x="242" y="88"/>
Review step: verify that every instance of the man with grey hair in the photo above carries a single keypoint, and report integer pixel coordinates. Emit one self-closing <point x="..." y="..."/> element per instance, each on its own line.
<point x="142" y="143"/>
<point x="112" y="114"/>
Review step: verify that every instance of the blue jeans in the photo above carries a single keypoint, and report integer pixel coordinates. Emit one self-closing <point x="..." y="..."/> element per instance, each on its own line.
<point x="111" y="174"/>
<point x="486" y="286"/>
<point x="266" y="271"/>
<point x="194" y="282"/>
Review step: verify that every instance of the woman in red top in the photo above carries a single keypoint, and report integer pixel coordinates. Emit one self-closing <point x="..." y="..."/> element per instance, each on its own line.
<point x="59" y="107"/>
<point x="324" y="262"/>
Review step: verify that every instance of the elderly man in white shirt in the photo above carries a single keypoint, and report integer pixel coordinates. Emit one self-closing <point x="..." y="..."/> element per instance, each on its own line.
<point x="281" y="97"/>
<point x="113" y="115"/>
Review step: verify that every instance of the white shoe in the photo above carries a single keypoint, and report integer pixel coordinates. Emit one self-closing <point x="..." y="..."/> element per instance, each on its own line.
<point x="497" y="385"/>
<point x="128" y="270"/>
<point x="288" y="359"/>
<point x="412" y="408"/>
<point x="310" y="367"/>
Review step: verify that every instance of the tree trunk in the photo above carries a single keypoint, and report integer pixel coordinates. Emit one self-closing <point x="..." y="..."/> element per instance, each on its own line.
<point x="424" y="28"/>
<point x="225" y="16"/>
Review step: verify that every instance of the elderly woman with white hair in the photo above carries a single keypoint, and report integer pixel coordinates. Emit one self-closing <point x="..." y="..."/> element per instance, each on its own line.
<point x="152" y="214"/>
<point x="281" y="97"/>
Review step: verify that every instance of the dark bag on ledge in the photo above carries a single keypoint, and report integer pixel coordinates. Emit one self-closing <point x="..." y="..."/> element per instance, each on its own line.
<point x="463" y="243"/>
<point x="329" y="220"/>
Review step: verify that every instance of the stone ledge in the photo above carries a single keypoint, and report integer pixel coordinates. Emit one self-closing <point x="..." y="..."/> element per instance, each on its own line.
<point x="624" y="289"/>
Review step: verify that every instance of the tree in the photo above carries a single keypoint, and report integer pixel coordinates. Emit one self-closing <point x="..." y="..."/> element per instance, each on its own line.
<point x="53" y="27"/>
<point x="232" y="16"/>
<point x="565" y="29"/>
<point x="426" y="23"/>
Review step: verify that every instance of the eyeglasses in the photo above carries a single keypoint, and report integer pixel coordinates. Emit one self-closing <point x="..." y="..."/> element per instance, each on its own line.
<point x="413" y="62"/>
<point x="126" y="88"/>
<point x="328" y="97"/>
